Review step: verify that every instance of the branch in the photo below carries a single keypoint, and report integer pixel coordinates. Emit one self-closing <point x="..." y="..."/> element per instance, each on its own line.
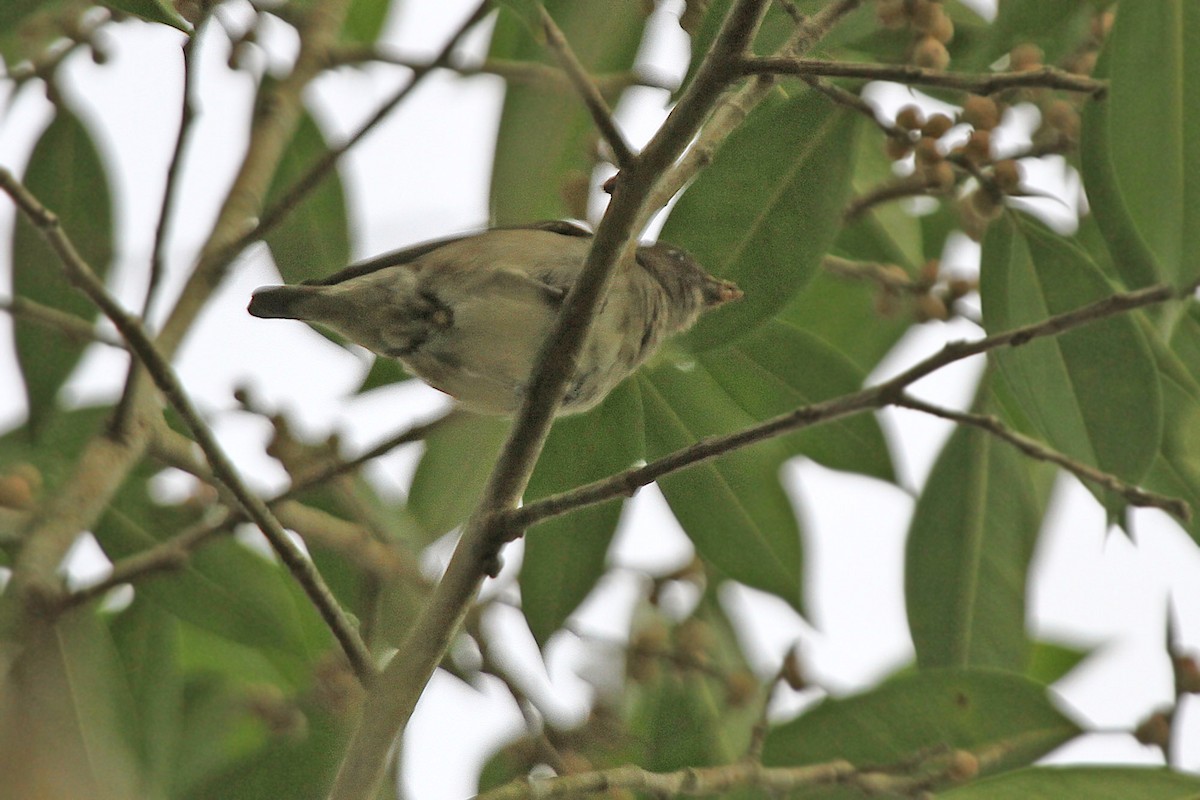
<point x="511" y="70"/>
<point x="74" y="328"/>
<point x="80" y="274"/>
<point x="914" y="185"/>
<point x="844" y="97"/>
<point x="936" y="768"/>
<point x="887" y="393"/>
<point x="986" y="83"/>
<point x="587" y="89"/>
<point x="1133" y="495"/>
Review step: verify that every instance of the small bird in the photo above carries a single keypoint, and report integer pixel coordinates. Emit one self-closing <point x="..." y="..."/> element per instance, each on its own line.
<point x="469" y="315"/>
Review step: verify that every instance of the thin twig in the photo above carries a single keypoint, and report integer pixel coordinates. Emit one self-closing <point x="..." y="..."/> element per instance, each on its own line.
<point x="81" y="275"/>
<point x="1134" y="495"/>
<point x="887" y="393"/>
<point x="914" y="185"/>
<point x="511" y="70"/>
<point x="985" y="83"/>
<point x="844" y="97"/>
<point x="74" y="328"/>
<point x="587" y="89"/>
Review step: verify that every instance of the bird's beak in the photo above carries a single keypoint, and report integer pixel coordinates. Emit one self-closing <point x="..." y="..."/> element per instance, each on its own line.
<point x="717" y="292"/>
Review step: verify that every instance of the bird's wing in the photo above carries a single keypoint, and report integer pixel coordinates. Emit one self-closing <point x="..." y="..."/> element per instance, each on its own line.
<point x="409" y="254"/>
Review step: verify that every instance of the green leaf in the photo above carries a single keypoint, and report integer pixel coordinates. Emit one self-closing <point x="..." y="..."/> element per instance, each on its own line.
<point x="64" y="715"/>
<point x="546" y="145"/>
<point x="459" y="454"/>
<point x="767" y="209"/>
<point x="313" y="240"/>
<point x="147" y="641"/>
<point x="1048" y="662"/>
<point x="383" y="372"/>
<point x="564" y="556"/>
<point x="1110" y="211"/>
<point x="968" y="551"/>
<point x="971" y="709"/>
<point x="733" y="508"/>
<point x="67" y="175"/>
<point x="365" y="19"/>
<point x="1153" y="107"/>
<point x="1094" y="783"/>
<point x="1093" y="392"/>
<point x="779" y="368"/>
<point x="152" y="11"/>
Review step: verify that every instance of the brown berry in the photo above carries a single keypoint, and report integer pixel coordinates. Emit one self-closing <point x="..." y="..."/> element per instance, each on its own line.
<point x="15" y="492"/>
<point x="937" y="126"/>
<point x="929" y="307"/>
<point x="925" y="15"/>
<point x="740" y="688"/>
<point x="985" y="204"/>
<point x="1187" y="674"/>
<point x="927" y="152"/>
<point x="964" y="765"/>
<point x="978" y="149"/>
<point x="940" y="177"/>
<point x="943" y="29"/>
<point x="1024" y="57"/>
<point x="980" y="112"/>
<point x="1154" y="730"/>
<point x="959" y="287"/>
<point x="1063" y="117"/>
<point x="910" y="118"/>
<point x="929" y="53"/>
<point x="891" y="14"/>
<point x="896" y="148"/>
<point x="1007" y="174"/>
<point x="930" y="270"/>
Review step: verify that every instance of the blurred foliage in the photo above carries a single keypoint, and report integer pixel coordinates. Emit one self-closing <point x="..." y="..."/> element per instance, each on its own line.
<point x="221" y="680"/>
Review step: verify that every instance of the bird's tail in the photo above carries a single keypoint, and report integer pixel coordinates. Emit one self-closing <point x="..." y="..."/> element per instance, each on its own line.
<point x="281" y="302"/>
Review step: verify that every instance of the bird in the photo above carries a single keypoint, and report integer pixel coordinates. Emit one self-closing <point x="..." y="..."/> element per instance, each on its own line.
<point x="469" y="315"/>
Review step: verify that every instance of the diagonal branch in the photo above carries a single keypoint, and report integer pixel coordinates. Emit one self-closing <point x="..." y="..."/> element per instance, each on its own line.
<point x="75" y="328"/>
<point x="890" y="392"/>
<point x="80" y="274"/>
<point x="588" y="91"/>
<point x="1134" y="495"/>
<point x="985" y="83"/>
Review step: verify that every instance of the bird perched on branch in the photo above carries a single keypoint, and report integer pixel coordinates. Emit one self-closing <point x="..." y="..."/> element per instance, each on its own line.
<point x="469" y="315"/>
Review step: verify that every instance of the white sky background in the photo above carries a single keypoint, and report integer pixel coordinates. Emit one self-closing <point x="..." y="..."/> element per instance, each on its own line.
<point x="424" y="174"/>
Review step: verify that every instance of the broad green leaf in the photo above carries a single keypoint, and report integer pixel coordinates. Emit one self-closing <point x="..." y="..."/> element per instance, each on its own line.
<point x="972" y="709"/>
<point x="546" y="145"/>
<point x="459" y="454"/>
<point x="1110" y="215"/>
<point x="564" y="556"/>
<point x="384" y="372"/>
<point x="64" y="715"/>
<point x="1048" y="662"/>
<point x="218" y="731"/>
<point x="58" y="444"/>
<point x="1176" y="470"/>
<point x="887" y="233"/>
<point x="313" y="240"/>
<point x="1093" y="392"/>
<point x="767" y="209"/>
<point x="779" y="368"/>
<point x="1153" y="107"/>
<point x="1093" y="783"/>
<point x="28" y="27"/>
<point x="968" y="551"/>
<point x="67" y="175"/>
<point x="146" y="638"/>
<point x="365" y="19"/>
<point x="733" y="508"/>
<point x="843" y="314"/>
<point x="152" y="11"/>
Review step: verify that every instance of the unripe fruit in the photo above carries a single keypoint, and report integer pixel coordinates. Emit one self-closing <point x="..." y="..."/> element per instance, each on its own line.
<point x="929" y="53"/>
<point x="978" y="149"/>
<point x="964" y="765"/>
<point x="896" y="148"/>
<point x="980" y="112"/>
<point x="1007" y="174"/>
<point x="1024" y="57"/>
<point x="910" y="118"/>
<point x="937" y="126"/>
